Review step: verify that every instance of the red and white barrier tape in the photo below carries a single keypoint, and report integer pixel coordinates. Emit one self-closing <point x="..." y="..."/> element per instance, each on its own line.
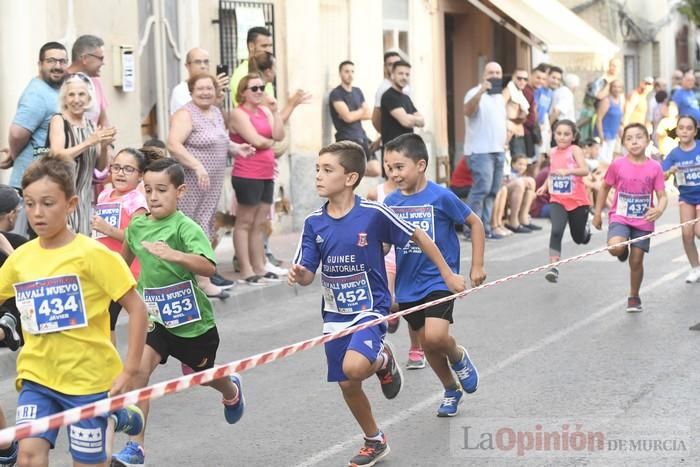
<point x="184" y="382"/>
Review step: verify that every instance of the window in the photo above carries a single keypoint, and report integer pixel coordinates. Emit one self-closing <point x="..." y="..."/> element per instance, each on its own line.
<point x="395" y="24"/>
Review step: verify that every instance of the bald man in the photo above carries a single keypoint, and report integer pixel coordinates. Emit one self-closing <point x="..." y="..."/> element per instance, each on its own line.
<point x="485" y="141"/>
<point x="196" y="61"/>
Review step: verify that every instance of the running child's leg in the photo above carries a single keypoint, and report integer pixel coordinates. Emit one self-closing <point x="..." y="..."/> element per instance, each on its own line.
<point x="359" y="406"/>
<point x="440" y="350"/>
<point x="578" y="225"/>
<point x="149" y="362"/>
<point x="636" y="261"/>
<point x="559" y="218"/>
<point x="33" y="452"/>
<point x="689" y="232"/>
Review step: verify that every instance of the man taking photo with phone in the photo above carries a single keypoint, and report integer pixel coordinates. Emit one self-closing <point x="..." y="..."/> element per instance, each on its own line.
<point x="485" y="141"/>
<point x="196" y="61"/>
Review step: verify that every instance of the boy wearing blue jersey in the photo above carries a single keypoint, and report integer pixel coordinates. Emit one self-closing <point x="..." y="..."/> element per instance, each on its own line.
<point x="347" y="236"/>
<point x="437" y="211"/>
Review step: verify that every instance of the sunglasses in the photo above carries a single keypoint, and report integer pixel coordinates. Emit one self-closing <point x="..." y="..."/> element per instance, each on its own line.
<point x="81" y="76"/>
<point x="521" y="78"/>
<point x="257" y="88"/>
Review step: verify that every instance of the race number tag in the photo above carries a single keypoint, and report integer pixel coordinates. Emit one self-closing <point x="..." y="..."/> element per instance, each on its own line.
<point x="111" y="213"/>
<point x="688" y="175"/>
<point x="347" y="294"/>
<point x="51" y="305"/>
<point x="421" y="217"/>
<point x="633" y="206"/>
<point x="172" y="305"/>
<point x="561" y="184"/>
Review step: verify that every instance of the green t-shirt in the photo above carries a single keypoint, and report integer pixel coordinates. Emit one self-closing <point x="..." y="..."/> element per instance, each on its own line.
<point x="238" y="74"/>
<point x="182" y="234"/>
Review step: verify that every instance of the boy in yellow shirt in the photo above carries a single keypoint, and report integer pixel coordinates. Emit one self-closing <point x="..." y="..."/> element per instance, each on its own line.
<point x="63" y="283"/>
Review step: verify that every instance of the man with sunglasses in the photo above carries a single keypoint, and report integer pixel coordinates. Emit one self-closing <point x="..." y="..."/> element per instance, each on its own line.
<point x="38" y="102"/>
<point x="88" y="57"/>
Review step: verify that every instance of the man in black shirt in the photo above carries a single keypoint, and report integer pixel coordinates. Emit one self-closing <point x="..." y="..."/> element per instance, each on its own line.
<point x="399" y="115"/>
<point x="348" y="109"/>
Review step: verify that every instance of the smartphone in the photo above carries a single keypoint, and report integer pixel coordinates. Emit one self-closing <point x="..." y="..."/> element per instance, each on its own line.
<point x="496" y="86"/>
<point x="221" y="69"/>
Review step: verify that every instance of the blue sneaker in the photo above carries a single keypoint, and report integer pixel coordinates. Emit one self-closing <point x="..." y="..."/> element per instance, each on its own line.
<point x="10" y="460"/>
<point x="234" y="412"/>
<point x="450" y="401"/>
<point x="128" y="420"/>
<point x="131" y="456"/>
<point x="466" y="372"/>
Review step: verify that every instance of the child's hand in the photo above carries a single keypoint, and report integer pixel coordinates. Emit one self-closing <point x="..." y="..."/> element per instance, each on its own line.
<point x="477" y="275"/>
<point x="652" y="214"/>
<point x="161" y="250"/>
<point x="456" y="283"/>
<point x="123" y="383"/>
<point x="597" y="221"/>
<point x="542" y="190"/>
<point x="673" y="169"/>
<point x="101" y="225"/>
<point x="294" y="272"/>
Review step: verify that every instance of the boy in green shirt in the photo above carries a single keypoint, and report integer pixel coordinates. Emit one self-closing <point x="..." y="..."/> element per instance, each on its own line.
<point x="172" y="250"/>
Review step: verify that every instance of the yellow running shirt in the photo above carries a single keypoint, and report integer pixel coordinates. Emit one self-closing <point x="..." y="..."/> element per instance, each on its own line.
<point x="63" y="295"/>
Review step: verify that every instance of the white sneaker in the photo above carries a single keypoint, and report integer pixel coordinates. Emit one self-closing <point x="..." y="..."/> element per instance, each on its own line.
<point x="269" y="267"/>
<point x="693" y="275"/>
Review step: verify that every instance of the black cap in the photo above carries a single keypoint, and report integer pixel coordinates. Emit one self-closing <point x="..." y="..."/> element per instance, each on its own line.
<point x="9" y="199"/>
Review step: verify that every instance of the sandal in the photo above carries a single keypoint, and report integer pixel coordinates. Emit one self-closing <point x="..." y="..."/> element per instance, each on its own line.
<point x="271" y="277"/>
<point x="251" y="280"/>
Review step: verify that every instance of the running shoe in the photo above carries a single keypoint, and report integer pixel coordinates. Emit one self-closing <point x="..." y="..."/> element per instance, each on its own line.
<point x="625" y="254"/>
<point x="552" y="275"/>
<point x="416" y="359"/>
<point x="234" y="412"/>
<point x="390" y="377"/>
<point x="269" y="267"/>
<point x="221" y="282"/>
<point x="131" y="456"/>
<point x="128" y="420"/>
<point x="372" y="452"/>
<point x="693" y="276"/>
<point x="450" y="403"/>
<point x="634" y="304"/>
<point x="8" y="324"/>
<point x="466" y="372"/>
<point x="11" y="458"/>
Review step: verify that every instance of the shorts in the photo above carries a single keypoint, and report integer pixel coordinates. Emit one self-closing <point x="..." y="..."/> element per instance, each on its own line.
<point x="114" y="309"/>
<point x="252" y="192"/>
<point x="616" y="229"/>
<point x="198" y="352"/>
<point x="697" y="206"/>
<point x="86" y="438"/>
<point x="443" y="310"/>
<point x="369" y="342"/>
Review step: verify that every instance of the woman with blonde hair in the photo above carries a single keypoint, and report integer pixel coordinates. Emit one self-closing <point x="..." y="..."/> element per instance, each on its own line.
<point x="74" y="137"/>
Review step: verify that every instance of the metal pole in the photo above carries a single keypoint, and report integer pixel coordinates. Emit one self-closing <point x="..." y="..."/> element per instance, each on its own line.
<point x="162" y="114"/>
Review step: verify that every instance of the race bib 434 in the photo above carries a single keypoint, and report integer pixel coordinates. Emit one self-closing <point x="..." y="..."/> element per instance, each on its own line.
<point x="51" y="305"/>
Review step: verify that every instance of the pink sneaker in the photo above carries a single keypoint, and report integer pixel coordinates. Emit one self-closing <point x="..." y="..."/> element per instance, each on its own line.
<point x="416" y="359"/>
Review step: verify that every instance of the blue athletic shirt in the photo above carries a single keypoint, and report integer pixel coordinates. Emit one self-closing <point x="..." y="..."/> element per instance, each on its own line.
<point x="350" y="251"/>
<point x="436" y="210"/>
<point x="688" y="176"/>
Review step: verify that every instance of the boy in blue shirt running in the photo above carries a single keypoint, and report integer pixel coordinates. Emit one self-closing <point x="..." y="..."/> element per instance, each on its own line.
<point x="346" y="236"/>
<point x="437" y="211"/>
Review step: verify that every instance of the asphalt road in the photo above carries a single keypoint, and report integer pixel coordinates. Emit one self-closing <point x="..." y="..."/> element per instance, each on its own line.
<point x="562" y="366"/>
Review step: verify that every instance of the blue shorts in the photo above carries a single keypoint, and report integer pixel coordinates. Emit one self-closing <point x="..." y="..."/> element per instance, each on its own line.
<point x="369" y="342"/>
<point x="86" y="439"/>
<point x="616" y="229"/>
